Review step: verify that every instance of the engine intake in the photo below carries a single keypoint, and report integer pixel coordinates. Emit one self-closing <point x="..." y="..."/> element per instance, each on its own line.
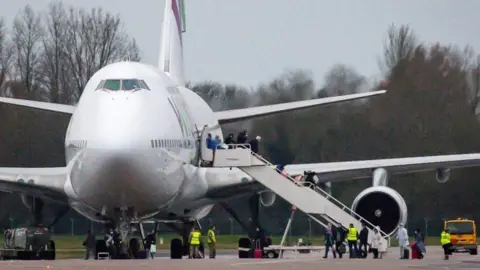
<point x="443" y="175"/>
<point x="267" y="198"/>
<point x="382" y="206"/>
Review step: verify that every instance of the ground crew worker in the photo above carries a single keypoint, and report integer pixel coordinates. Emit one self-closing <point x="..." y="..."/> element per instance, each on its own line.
<point x="352" y="238"/>
<point x="194" y="241"/>
<point x="212" y="241"/>
<point x="446" y="243"/>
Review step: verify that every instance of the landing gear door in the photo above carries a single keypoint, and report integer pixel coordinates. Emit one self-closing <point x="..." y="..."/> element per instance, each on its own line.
<point x="206" y="154"/>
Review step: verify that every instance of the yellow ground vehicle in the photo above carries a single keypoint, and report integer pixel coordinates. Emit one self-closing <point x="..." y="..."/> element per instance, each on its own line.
<point x="463" y="235"/>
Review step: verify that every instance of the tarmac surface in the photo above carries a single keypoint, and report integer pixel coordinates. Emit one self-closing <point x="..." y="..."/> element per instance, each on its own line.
<point x="229" y="260"/>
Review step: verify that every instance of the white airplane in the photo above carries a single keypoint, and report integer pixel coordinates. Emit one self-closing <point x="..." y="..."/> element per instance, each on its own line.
<point x="132" y="151"/>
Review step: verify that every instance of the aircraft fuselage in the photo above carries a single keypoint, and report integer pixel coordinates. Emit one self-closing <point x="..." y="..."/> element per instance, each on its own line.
<point x="133" y="149"/>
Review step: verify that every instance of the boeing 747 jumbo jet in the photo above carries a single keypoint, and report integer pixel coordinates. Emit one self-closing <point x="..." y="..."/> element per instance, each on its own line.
<point x="135" y="150"/>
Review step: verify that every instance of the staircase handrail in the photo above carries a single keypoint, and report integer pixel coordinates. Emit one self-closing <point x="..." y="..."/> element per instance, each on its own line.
<point x="326" y="195"/>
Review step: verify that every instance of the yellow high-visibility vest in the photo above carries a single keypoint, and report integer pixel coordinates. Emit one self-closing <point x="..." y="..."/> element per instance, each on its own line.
<point x="444" y="238"/>
<point x="195" y="238"/>
<point x="352" y="234"/>
<point x="211" y="237"/>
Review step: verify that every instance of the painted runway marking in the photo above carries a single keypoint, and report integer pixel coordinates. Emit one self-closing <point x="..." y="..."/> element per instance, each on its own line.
<point x="275" y="261"/>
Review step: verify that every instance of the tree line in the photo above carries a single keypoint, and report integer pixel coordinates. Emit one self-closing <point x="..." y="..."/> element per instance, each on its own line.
<point x="431" y="108"/>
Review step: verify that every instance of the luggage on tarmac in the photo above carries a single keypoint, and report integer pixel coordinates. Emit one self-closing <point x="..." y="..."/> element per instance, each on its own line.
<point x="257" y="251"/>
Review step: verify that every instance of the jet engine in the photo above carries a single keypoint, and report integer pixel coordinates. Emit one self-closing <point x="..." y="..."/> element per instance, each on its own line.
<point x="267" y="198"/>
<point x="443" y="175"/>
<point x="382" y="206"/>
<point x="27" y="201"/>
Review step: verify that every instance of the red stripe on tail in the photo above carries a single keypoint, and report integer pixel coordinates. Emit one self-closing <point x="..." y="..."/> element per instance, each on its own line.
<point x="176" y="13"/>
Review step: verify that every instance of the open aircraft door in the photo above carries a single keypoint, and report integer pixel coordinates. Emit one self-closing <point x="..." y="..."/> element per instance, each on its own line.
<point x="205" y="153"/>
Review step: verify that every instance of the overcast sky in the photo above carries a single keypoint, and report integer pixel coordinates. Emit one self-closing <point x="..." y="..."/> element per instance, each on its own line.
<point x="252" y="41"/>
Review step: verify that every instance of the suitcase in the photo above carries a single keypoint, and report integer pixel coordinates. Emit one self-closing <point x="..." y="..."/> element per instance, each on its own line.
<point x="406" y="254"/>
<point x="415" y="253"/>
<point x="257" y="252"/>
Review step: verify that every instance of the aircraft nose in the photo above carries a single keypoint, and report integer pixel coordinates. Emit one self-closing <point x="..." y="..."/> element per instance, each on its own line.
<point x="115" y="179"/>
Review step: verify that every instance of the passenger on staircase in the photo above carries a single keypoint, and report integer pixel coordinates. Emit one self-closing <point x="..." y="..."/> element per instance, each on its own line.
<point x="363" y="249"/>
<point x="254" y="144"/>
<point x="311" y="178"/>
<point x="328" y="235"/>
<point x="230" y="140"/>
<point x="242" y="137"/>
<point x="209" y="141"/>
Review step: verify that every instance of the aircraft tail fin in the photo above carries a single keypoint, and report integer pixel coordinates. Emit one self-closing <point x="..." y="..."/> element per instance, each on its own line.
<point x="171" y="49"/>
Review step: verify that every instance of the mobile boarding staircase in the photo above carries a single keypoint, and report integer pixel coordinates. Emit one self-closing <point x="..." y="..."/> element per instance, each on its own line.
<point x="312" y="200"/>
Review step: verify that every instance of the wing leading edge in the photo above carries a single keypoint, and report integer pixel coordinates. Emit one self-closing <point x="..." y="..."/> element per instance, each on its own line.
<point x="47" y="183"/>
<point x="342" y="171"/>
<point x="54" y="107"/>
<point x="230" y="116"/>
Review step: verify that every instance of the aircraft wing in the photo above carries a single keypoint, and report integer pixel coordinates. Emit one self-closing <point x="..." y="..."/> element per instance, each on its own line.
<point x="46" y="183"/>
<point x="230" y="116"/>
<point x="342" y="171"/>
<point x="55" y="107"/>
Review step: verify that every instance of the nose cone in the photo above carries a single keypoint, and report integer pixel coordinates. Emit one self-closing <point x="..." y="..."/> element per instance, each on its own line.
<point x="144" y="181"/>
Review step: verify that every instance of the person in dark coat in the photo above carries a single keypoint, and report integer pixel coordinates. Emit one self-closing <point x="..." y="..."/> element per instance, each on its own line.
<point x="339" y="238"/>
<point x="329" y="241"/>
<point x="230" y="140"/>
<point x="90" y="245"/>
<point x="254" y="144"/>
<point x="363" y="237"/>
<point x="242" y="137"/>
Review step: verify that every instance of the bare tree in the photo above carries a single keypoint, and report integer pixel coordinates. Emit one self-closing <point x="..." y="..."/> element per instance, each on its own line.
<point x="93" y="40"/>
<point x="342" y="80"/>
<point x="6" y="56"/>
<point x="55" y="69"/>
<point x="400" y="45"/>
<point x="26" y="36"/>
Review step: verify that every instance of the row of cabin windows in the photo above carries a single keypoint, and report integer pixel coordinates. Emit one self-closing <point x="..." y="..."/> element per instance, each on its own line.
<point x="165" y="143"/>
<point x="124" y="85"/>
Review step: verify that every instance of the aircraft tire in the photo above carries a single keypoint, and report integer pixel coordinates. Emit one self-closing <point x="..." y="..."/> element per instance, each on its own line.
<point x="244" y="243"/>
<point x="176" y="249"/>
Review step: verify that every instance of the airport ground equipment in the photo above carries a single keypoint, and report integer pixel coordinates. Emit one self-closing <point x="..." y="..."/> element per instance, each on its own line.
<point x="317" y="204"/>
<point x="276" y="251"/>
<point x="463" y="235"/>
<point x="29" y="243"/>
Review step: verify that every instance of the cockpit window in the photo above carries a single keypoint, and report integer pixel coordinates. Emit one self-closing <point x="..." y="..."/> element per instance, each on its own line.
<point x="112" y="85"/>
<point x="124" y="85"/>
<point x="100" y="85"/>
<point x="130" y="85"/>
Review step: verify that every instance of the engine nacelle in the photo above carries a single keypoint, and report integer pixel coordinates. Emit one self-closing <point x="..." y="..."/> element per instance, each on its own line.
<point x="382" y="206"/>
<point x="443" y="175"/>
<point x="267" y="198"/>
<point x="27" y="201"/>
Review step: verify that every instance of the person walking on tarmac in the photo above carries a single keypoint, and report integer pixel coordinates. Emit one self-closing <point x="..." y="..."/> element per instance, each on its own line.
<point x="402" y="237"/>
<point x="328" y="235"/>
<point x="446" y="243"/>
<point x="194" y="241"/>
<point x="212" y="241"/>
<point x="352" y="238"/>
<point x="89" y="245"/>
<point x="363" y="237"/>
<point x="339" y="238"/>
